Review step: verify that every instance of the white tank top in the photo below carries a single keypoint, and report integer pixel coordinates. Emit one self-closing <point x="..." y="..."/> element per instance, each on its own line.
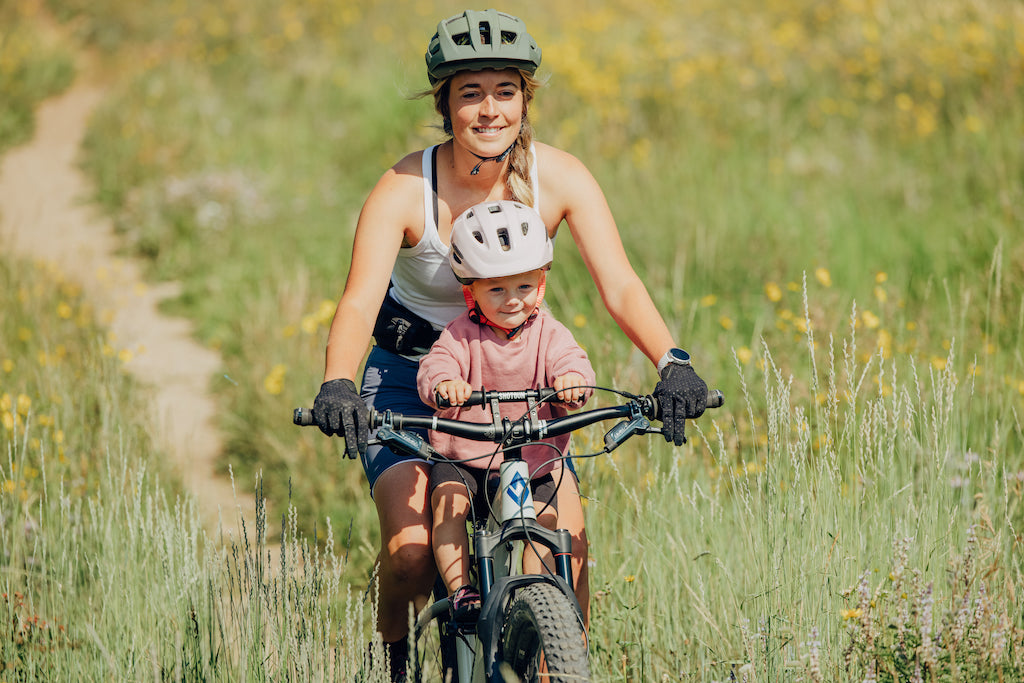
<point x="421" y="279"/>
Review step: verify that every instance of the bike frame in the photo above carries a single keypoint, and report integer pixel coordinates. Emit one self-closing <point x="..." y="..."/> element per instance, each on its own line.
<point x="498" y="548"/>
<point x="498" y="544"/>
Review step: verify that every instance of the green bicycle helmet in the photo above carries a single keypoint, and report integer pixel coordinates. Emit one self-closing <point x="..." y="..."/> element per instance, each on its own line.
<point x="480" y="40"/>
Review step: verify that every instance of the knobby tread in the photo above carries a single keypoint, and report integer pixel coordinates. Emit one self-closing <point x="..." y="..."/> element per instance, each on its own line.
<point x="541" y="618"/>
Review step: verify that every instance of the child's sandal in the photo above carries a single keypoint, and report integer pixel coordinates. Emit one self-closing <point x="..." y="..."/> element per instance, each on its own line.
<point x="465" y="604"/>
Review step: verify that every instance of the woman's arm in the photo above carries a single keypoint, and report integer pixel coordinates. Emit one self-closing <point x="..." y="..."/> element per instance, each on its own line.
<point x="681" y="393"/>
<point x="392" y="213"/>
<point x="570" y="192"/>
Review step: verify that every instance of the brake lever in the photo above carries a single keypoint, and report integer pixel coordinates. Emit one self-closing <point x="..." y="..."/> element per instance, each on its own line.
<point x="636" y="424"/>
<point x="407" y="442"/>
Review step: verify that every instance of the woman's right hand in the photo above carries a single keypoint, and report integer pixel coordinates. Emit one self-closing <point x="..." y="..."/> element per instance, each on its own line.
<point x="339" y="409"/>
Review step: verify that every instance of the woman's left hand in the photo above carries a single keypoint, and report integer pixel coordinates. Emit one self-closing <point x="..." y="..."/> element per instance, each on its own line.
<point x="681" y="395"/>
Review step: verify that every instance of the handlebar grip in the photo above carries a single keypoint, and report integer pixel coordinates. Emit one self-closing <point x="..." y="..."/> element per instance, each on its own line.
<point x="716" y="399"/>
<point x="476" y="398"/>
<point x="479" y="398"/>
<point x="303" y="417"/>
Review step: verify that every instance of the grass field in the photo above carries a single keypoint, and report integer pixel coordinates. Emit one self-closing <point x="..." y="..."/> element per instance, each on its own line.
<point x="33" y="65"/>
<point x="825" y="200"/>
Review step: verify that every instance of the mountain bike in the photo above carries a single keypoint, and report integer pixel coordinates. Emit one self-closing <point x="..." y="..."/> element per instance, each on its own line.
<point x="530" y="626"/>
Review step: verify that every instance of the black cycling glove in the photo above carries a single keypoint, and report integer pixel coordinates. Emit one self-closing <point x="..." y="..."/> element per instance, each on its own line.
<point x="681" y="395"/>
<point x="339" y="409"/>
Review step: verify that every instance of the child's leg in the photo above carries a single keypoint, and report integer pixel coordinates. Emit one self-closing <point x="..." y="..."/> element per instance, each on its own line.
<point x="450" y="502"/>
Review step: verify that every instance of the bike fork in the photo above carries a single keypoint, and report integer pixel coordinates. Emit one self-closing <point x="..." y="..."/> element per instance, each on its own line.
<point x="468" y="662"/>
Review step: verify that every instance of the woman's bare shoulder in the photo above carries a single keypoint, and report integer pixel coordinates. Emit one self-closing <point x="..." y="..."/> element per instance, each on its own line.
<point x="549" y="156"/>
<point x="411" y="163"/>
<point x="396" y="201"/>
<point x="404" y="178"/>
<point x="563" y="177"/>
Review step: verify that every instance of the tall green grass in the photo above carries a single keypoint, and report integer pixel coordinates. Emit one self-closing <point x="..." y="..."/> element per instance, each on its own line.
<point x="824" y="201"/>
<point x="868" y="529"/>
<point x="33" y="66"/>
<point x="105" y="570"/>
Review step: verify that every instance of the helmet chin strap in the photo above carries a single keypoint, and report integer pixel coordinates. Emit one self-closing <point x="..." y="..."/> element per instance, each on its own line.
<point x="500" y="158"/>
<point x="477" y="316"/>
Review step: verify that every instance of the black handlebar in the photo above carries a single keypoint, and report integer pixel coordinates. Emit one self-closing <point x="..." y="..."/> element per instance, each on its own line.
<point x="478" y="398"/>
<point x="646" y="405"/>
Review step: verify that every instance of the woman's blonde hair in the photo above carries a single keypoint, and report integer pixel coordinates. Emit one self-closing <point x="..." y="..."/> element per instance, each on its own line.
<point x="518" y="180"/>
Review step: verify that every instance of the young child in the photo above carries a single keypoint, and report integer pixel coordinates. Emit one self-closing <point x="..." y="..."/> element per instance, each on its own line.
<point x="500" y="252"/>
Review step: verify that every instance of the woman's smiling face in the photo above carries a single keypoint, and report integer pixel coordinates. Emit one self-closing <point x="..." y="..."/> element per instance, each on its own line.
<point x="486" y="110"/>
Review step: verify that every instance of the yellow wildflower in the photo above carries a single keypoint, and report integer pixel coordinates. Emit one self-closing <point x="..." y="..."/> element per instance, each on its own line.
<point x="273" y="383"/>
<point x="325" y="313"/>
<point x="823" y="276"/>
<point x="744" y="354"/>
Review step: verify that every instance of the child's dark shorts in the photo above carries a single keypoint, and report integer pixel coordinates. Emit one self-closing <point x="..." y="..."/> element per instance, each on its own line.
<point x="482" y="484"/>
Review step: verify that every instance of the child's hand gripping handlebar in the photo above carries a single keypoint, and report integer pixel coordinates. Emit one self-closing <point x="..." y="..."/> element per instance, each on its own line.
<point x="391" y="427"/>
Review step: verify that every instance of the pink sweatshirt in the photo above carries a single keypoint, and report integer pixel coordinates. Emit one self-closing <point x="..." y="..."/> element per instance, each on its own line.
<point x="544" y="350"/>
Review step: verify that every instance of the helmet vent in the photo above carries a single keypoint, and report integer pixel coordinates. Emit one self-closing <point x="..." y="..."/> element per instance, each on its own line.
<point x="508" y="37"/>
<point x="525" y="226"/>
<point x="485" y="33"/>
<point x="503" y="239"/>
<point x="457" y="255"/>
<point x="461" y="39"/>
<point x="494" y="208"/>
<point x="478" y="236"/>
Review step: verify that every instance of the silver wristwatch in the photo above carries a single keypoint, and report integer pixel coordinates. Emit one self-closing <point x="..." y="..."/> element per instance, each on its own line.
<point x="673" y="357"/>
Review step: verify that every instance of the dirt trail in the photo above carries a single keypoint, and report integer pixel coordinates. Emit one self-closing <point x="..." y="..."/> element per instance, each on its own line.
<point x="44" y="214"/>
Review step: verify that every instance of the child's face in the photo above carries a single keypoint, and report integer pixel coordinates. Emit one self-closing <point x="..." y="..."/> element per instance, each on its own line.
<point x="507" y="301"/>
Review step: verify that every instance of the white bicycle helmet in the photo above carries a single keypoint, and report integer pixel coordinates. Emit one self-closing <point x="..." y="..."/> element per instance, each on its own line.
<point x="496" y="239"/>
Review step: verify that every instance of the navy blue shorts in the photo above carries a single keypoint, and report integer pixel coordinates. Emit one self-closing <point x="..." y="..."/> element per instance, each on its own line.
<point x="389" y="383"/>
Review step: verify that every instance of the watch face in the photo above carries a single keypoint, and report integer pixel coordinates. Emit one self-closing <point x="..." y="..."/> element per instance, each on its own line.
<point x="680" y="356"/>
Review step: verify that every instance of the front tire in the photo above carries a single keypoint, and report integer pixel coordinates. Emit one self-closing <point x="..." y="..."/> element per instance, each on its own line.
<point x="541" y="630"/>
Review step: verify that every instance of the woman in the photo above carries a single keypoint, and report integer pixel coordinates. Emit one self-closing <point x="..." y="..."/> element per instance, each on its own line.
<point x="481" y="67"/>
